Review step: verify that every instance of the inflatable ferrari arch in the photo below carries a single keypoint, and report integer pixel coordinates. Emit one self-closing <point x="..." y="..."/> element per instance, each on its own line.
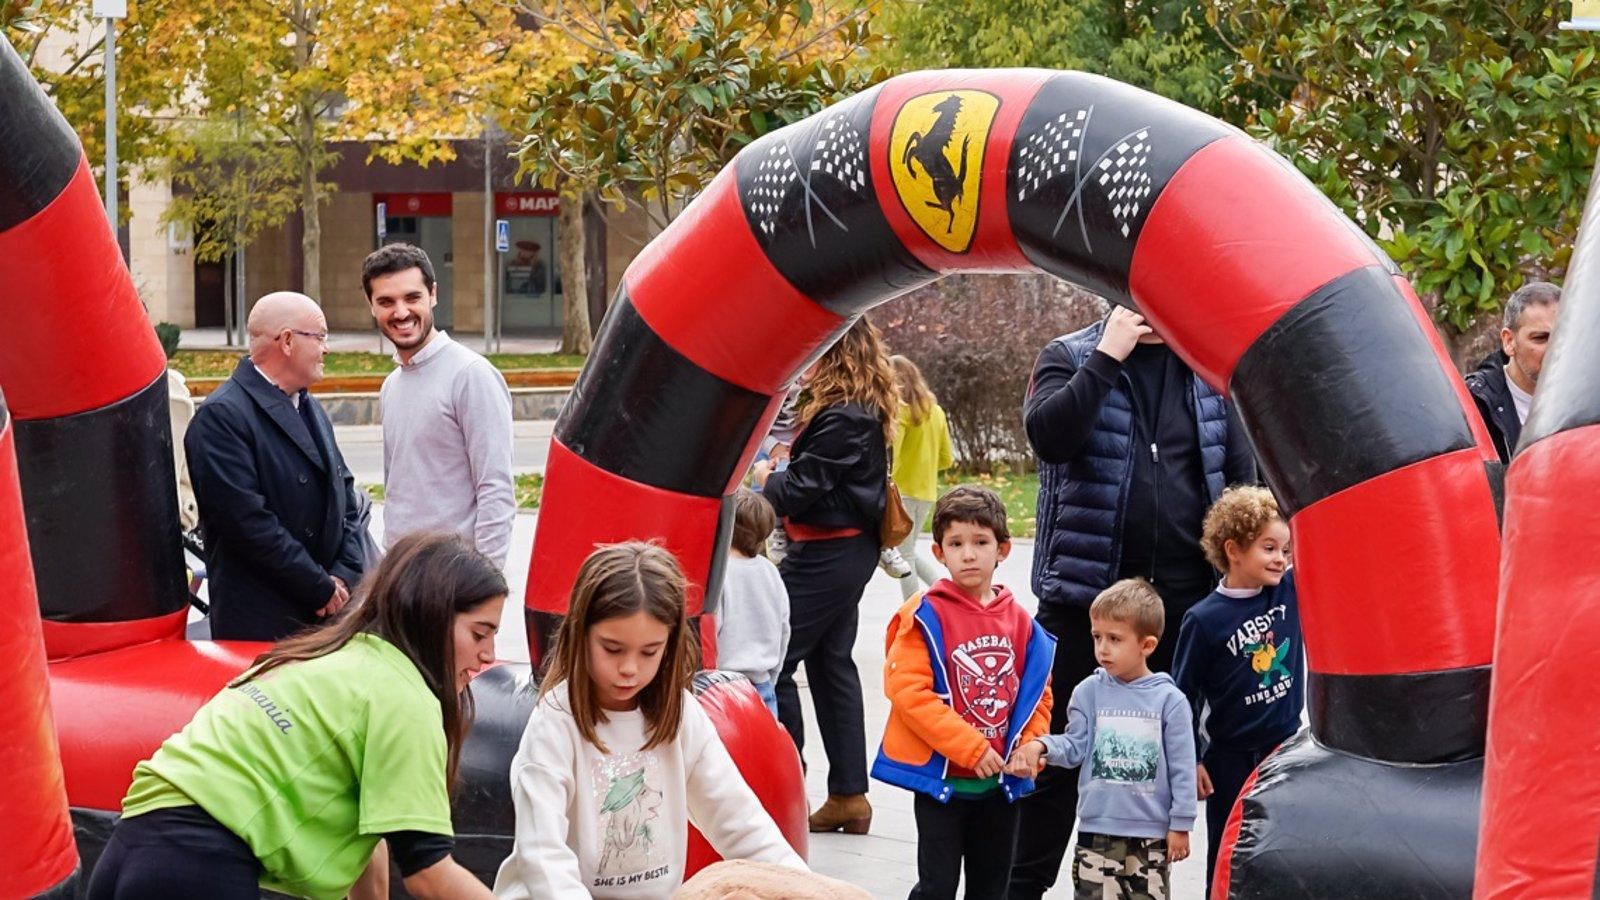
<point x="1362" y="427"/>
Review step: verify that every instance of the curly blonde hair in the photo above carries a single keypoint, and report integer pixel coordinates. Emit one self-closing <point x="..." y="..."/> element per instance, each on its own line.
<point x="854" y="370"/>
<point x="1239" y="515"/>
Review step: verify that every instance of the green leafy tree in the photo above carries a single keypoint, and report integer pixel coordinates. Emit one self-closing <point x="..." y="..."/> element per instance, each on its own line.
<point x="63" y="45"/>
<point x="1161" y="45"/>
<point x="1458" y="133"/>
<point x="660" y="96"/>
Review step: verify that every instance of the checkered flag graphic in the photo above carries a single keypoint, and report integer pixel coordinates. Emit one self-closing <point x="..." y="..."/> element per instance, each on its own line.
<point x="1051" y="152"/>
<point x="1125" y="176"/>
<point x="775" y="174"/>
<point x="841" y="153"/>
<point x="838" y="152"/>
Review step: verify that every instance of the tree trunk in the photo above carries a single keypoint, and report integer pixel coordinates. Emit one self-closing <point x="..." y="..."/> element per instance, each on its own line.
<point x="574" y="275"/>
<point x="311" y="237"/>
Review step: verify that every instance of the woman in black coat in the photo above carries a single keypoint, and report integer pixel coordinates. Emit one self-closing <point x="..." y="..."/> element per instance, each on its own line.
<point x="831" y="498"/>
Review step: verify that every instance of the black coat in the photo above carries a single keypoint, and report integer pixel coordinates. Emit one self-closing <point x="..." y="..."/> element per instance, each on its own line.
<point x="1487" y="384"/>
<point x="279" y="518"/>
<point x="837" y="471"/>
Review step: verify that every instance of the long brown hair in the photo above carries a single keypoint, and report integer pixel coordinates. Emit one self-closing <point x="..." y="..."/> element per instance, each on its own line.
<point x="854" y="370"/>
<point x="913" y="387"/>
<point x="411" y="601"/>
<point x="614" y="582"/>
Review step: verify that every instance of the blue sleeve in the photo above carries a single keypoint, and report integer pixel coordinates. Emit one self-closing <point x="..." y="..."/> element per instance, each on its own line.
<point x="1177" y="734"/>
<point x="1071" y="749"/>
<point x="1188" y="669"/>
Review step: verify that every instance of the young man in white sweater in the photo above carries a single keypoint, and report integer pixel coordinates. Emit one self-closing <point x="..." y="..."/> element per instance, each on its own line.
<point x="446" y="416"/>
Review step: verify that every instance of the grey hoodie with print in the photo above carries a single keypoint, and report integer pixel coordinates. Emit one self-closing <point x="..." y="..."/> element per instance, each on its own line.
<point x="1134" y="742"/>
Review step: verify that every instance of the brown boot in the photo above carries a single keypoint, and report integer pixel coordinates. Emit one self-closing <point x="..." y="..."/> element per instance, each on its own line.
<point x="850" y="813"/>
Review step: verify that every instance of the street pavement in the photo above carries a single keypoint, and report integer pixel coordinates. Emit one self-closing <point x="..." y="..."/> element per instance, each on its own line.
<point x="884" y="861"/>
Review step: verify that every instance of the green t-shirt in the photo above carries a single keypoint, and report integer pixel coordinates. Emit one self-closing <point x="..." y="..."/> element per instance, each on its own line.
<point x="310" y="764"/>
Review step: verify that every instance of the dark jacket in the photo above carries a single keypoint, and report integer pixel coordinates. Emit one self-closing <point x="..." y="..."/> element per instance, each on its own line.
<point x="277" y="507"/>
<point x="836" y="474"/>
<point x="1487" y="384"/>
<point x="1102" y="472"/>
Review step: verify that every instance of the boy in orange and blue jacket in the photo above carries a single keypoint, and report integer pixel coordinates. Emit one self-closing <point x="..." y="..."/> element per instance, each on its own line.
<point x="968" y="679"/>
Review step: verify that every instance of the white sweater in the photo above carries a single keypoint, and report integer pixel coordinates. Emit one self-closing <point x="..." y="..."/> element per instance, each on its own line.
<point x="613" y="825"/>
<point x="447" y="449"/>
<point x="752" y="619"/>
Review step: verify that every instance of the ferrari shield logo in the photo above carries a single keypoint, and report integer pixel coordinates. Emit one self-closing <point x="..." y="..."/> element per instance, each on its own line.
<point x="936" y="162"/>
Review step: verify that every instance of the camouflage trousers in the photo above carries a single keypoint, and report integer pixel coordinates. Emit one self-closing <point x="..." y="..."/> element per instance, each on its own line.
<point x="1119" y="868"/>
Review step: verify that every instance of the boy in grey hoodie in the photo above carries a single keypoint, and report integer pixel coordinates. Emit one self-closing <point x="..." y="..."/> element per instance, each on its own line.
<point x="1131" y="732"/>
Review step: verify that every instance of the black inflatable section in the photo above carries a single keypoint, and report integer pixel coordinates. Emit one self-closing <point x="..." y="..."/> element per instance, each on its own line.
<point x="1338" y="827"/>
<point x="702" y="421"/>
<point x="1318" y="392"/>
<point x="38" y="151"/>
<point x="1426" y="717"/>
<point x="1082" y="130"/>
<point x="830" y="238"/>
<point x="719" y="563"/>
<point x="1496" y="472"/>
<point x="92" y="485"/>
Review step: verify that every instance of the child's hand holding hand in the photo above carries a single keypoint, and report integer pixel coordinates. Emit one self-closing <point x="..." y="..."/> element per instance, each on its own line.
<point x="1177" y="846"/>
<point x="1024" y="762"/>
<point x="1202" y="780"/>
<point x="990" y="765"/>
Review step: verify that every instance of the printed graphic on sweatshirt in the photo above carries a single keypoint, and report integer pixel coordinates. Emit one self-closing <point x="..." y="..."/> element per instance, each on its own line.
<point x="1127" y="748"/>
<point x="986" y="682"/>
<point x="1256" y="644"/>
<point x="634" y="843"/>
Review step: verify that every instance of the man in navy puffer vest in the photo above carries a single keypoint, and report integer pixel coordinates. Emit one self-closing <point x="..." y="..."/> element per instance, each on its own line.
<point x="1133" y="449"/>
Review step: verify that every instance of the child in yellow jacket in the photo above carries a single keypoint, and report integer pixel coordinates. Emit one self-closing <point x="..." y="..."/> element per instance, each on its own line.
<point x="967" y="675"/>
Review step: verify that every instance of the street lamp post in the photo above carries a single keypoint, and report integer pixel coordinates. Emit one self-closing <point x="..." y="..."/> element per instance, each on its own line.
<point x="111" y="11"/>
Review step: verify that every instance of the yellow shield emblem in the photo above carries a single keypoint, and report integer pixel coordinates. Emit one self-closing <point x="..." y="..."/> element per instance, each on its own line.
<point x="936" y="162"/>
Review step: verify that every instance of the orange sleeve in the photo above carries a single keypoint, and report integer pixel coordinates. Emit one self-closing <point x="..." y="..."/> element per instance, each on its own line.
<point x="908" y="681"/>
<point x="1039" y="723"/>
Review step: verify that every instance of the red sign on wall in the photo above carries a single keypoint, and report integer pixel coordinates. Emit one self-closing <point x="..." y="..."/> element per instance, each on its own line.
<point x="439" y="204"/>
<point x="527" y="203"/>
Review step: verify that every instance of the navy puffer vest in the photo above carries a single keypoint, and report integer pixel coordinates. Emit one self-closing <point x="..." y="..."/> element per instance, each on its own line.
<point x="1079" y="545"/>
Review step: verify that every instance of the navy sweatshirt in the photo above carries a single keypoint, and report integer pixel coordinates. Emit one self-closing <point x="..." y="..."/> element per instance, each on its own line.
<point x="1240" y="662"/>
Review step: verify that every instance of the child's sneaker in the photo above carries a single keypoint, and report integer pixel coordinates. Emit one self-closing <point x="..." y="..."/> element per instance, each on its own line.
<point x="777" y="544"/>
<point x="890" y="560"/>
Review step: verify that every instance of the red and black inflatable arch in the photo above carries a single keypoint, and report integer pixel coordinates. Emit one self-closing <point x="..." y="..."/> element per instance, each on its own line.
<point x="1361" y="424"/>
<point x="1541" y="797"/>
<point x="88" y="514"/>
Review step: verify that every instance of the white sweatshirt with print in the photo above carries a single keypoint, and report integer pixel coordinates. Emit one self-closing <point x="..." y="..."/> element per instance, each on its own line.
<point x="613" y="825"/>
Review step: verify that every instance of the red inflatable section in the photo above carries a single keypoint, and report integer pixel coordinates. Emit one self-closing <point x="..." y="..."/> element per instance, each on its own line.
<point x="153" y="688"/>
<point x="765" y="757"/>
<point x="1541" y="799"/>
<point x="761" y="324"/>
<point x="1435" y="577"/>
<point x="38" y="852"/>
<point x="1244" y="226"/>
<point x="569" y="529"/>
<point x="53" y="364"/>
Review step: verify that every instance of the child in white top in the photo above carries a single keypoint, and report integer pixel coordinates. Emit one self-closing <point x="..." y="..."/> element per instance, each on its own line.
<point x="618" y="754"/>
<point x="753" y="618"/>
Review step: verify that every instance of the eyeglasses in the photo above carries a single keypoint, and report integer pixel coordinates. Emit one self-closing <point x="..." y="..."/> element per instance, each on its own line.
<point x="320" y="336"/>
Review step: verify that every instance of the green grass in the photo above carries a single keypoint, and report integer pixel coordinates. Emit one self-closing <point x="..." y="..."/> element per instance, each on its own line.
<point x="528" y="488"/>
<point x="1019" y="492"/>
<point x="220" y="363"/>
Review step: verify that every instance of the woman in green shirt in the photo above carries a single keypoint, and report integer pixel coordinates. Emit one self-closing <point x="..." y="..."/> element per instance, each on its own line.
<point x="921" y="451"/>
<point x="291" y="777"/>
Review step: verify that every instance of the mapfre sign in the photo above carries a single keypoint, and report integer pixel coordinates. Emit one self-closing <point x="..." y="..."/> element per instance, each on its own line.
<point x="527" y="203"/>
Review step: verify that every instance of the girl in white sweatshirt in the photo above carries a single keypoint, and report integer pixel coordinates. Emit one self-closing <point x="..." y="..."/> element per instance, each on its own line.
<point x="618" y="755"/>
